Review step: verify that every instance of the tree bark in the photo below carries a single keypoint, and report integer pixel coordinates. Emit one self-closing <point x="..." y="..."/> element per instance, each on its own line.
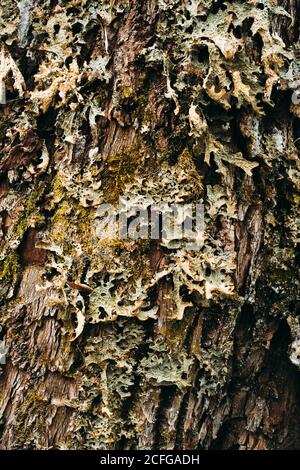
<point x="141" y="344"/>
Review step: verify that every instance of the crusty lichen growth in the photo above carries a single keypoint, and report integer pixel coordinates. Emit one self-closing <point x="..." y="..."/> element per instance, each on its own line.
<point x="176" y="101"/>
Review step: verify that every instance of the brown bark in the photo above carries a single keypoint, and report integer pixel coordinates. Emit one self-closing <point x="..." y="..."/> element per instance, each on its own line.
<point x="183" y="101"/>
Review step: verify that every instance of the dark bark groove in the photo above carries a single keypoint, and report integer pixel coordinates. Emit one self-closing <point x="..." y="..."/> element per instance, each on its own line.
<point x="145" y="344"/>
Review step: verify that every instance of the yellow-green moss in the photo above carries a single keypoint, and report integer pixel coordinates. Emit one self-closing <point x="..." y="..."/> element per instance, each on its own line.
<point x="30" y="211"/>
<point x="73" y="223"/>
<point x="119" y="170"/>
<point x="175" y="332"/>
<point x="57" y="191"/>
<point x="10" y="269"/>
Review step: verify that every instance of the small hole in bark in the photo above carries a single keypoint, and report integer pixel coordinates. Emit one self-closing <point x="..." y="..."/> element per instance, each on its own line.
<point x="218" y="5"/>
<point x="76" y="28"/>
<point x="102" y="313"/>
<point x="247" y="25"/>
<point x="79" y="304"/>
<point x="203" y="54"/>
<point x="237" y="32"/>
<point x="73" y="10"/>
<point x="208" y="271"/>
<point x="68" y="61"/>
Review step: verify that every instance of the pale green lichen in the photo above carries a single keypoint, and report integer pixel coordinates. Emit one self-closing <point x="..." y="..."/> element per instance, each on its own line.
<point x="191" y="128"/>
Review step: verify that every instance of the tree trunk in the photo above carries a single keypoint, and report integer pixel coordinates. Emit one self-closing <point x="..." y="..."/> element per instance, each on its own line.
<point x="141" y="344"/>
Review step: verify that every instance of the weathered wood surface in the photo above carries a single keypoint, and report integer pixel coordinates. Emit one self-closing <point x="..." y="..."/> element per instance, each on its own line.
<point x="184" y="101"/>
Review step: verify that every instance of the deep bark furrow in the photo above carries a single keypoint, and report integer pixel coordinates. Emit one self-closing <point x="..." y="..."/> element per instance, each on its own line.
<point x="135" y="343"/>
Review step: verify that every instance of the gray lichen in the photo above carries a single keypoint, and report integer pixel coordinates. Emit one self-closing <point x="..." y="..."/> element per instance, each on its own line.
<point x="179" y="101"/>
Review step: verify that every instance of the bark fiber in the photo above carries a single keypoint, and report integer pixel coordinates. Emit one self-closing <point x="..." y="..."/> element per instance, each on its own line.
<point x="124" y="344"/>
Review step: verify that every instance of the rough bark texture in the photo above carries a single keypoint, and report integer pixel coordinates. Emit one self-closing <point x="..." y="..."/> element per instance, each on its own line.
<point x="143" y="344"/>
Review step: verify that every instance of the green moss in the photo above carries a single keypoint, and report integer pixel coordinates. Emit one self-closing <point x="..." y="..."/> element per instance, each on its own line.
<point x="10" y="273"/>
<point x="33" y="405"/>
<point x="146" y="113"/>
<point x="176" y="332"/>
<point x="119" y="171"/>
<point x="57" y="190"/>
<point x="128" y="92"/>
<point x="71" y="225"/>
<point x="30" y="211"/>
